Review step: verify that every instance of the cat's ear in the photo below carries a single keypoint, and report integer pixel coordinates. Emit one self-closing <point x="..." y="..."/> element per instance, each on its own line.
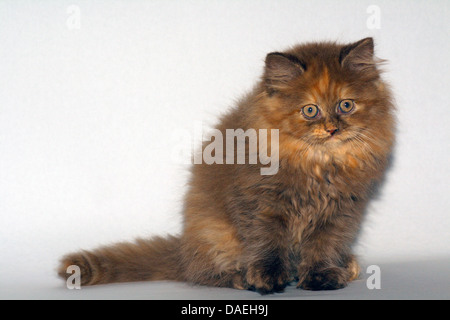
<point x="358" y="56"/>
<point x="280" y="69"/>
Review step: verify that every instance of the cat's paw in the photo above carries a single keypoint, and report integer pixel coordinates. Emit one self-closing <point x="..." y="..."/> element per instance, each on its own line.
<point x="325" y="279"/>
<point x="80" y="260"/>
<point x="267" y="280"/>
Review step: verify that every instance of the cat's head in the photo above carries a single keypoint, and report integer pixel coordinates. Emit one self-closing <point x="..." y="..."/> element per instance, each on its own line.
<point x="329" y="98"/>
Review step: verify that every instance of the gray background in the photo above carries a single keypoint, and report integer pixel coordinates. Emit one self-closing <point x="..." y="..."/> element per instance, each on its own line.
<point x="95" y="123"/>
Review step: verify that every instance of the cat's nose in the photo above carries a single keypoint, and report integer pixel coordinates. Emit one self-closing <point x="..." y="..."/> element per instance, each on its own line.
<point x="332" y="130"/>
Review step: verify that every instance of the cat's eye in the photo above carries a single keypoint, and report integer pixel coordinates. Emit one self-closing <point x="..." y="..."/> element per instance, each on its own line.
<point x="346" y="106"/>
<point x="310" y="111"/>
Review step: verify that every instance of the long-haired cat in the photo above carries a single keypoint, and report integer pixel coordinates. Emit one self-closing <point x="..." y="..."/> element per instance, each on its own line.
<point x="335" y="120"/>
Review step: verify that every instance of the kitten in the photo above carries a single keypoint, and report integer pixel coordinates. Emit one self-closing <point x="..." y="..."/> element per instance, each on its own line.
<point x="245" y="230"/>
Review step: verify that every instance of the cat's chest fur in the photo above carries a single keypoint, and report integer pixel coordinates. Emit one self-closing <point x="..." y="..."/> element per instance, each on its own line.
<point x="324" y="193"/>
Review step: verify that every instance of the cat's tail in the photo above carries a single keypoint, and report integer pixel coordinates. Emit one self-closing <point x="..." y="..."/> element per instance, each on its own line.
<point x="154" y="259"/>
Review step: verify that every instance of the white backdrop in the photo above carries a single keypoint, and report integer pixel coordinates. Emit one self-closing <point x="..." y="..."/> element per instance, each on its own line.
<point x="96" y="97"/>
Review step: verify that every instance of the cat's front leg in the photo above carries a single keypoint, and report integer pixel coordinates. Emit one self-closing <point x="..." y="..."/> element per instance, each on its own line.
<point x="267" y="275"/>
<point x="266" y="255"/>
<point x="326" y="259"/>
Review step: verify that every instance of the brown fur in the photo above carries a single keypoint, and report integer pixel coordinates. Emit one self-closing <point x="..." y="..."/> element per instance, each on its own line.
<point x="251" y="231"/>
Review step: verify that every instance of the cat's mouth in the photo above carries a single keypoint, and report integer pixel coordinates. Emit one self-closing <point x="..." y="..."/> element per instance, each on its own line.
<point x="359" y="138"/>
<point x="337" y="138"/>
<point x="344" y="138"/>
<point x="334" y="137"/>
<point x="355" y="137"/>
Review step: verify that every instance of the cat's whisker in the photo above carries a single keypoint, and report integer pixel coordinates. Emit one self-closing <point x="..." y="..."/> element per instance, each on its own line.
<point x="311" y="143"/>
<point x="364" y="146"/>
<point x="369" y="136"/>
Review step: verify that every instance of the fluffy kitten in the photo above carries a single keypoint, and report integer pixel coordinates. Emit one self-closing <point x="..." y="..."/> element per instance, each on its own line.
<point x="250" y="231"/>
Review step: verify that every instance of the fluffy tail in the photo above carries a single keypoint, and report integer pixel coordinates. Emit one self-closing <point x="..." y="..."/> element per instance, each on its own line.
<point x="154" y="259"/>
